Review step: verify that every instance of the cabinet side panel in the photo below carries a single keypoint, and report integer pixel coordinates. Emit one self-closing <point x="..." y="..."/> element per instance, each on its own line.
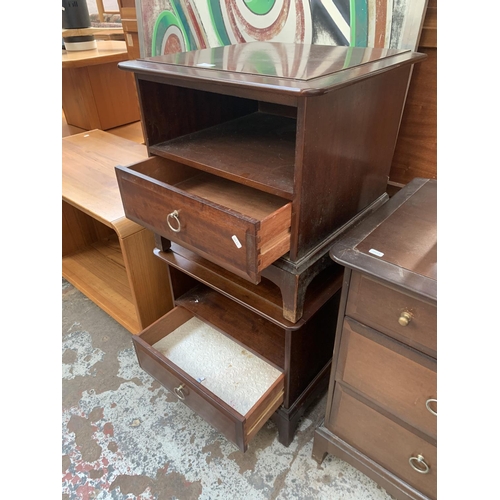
<point x="311" y="349"/>
<point x="345" y="145"/>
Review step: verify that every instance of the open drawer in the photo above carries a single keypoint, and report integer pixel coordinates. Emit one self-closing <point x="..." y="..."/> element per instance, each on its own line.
<point x="231" y="388"/>
<point x="235" y="226"/>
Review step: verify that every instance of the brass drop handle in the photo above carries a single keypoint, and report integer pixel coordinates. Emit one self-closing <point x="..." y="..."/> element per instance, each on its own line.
<point x="179" y="393"/>
<point x="428" y="403"/>
<point x="405" y="318"/>
<point x="174" y="216"/>
<point x="419" y="464"/>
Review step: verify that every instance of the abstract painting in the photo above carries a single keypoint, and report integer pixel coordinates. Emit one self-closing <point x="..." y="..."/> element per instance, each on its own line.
<point x="170" y="26"/>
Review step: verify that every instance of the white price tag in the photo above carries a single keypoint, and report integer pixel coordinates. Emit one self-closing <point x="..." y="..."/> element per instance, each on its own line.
<point x="236" y="241"/>
<point x="376" y="252"/>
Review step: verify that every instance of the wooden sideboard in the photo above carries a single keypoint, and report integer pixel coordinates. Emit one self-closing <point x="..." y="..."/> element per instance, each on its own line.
<point x="382" y="404"/>
<point x="105" y="255"/>
<point x="260" y="156"/>
<point x="95" y="93"/>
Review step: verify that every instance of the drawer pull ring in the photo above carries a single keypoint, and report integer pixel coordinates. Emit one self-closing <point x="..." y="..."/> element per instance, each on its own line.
<point x="418" y="464"/>
<point x="405" y="318"/>
<point x="428" y="403"/>
<point x="179" y="393"/>
<point x="175" y="216"/>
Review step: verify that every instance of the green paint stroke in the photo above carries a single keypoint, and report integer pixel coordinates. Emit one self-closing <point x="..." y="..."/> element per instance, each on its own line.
<point x="186" y="29"/>
<point x="163" y="21"/>
<point x="359" y="23"/>
<point x="260" y="7"/>
<point x="218" y="22"/>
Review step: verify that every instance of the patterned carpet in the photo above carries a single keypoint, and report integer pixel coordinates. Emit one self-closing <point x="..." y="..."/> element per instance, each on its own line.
<point x="125" y="437"/>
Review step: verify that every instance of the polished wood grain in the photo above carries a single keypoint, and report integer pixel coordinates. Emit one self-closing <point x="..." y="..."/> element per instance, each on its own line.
<point x="265" y="142"/>
<point x="345" y="145"/>
<point x="398" y="379"/>
<point x="235" y="226"/>
<point x="95" y="93"/>
<point x="105" y="255"/>
<point x="369" y="431"/>
<point x="380" y="307"/>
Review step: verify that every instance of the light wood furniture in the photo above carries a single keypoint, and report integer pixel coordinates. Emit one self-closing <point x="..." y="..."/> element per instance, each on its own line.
<point x="98" y="33"/>
<point x="261" y="155"/>
<point x="382" y="402"/>
<point x="129" y="22"/>
<point x="105" y="255"/>
<point x="95" y="93"/>
<point x="416" y="149"/>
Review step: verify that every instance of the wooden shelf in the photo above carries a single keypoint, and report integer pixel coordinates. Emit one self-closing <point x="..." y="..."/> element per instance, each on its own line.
<point x="267" y="142"/>
<point x="104" y="255"/>
<point x="263" y="299"/>
<point x="98" y="271"/>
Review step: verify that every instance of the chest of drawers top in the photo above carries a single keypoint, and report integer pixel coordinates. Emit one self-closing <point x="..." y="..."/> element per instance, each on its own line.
<point x="398" y="244"/>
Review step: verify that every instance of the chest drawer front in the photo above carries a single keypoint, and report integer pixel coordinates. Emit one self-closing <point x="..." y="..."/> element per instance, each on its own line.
<point x="385" y="442"/>
<point x="396" y="378"/>
<point x="193" y="365"/>
<point x="237" y="227"/>
<point x="394" y="313"/>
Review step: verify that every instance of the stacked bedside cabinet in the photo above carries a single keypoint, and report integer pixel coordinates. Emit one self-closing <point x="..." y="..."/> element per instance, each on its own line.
<point x="261" y="155"/>
<point x="382" y="403"/>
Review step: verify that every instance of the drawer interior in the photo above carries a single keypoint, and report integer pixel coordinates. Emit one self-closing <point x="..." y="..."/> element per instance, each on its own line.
<point x="207" y="187"/>
<point x="219" y="364"/>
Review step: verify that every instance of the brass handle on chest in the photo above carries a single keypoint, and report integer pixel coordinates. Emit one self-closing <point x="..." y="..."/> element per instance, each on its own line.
<point x="428" y="403"/>
<point x="418" y="463"/>
<point x="405" y="318"/>
<point x="174" y="216"/>
<point x="179" y="393"/>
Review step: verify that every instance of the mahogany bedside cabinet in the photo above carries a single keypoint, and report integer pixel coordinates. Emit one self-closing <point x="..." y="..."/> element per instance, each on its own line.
<point x="260" y="155"/>
<point x="382" y="403"/>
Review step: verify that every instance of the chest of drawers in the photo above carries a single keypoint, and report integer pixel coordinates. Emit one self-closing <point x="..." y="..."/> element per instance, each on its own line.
<point x="260" y="156"/>
<point x="382" y="405"/>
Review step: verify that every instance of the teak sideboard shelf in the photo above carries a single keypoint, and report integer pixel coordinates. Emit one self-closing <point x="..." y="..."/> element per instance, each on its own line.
<point x="105" y="255"/>
<point x="260" y="155"/>
<point x="381" y="413"/>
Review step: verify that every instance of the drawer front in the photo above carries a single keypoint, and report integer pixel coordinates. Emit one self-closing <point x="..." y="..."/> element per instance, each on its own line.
<point x="187" y="214"/>
<point x="385" y="442"/>
<point x="394" y="313"/>
<point x="236" y="427"/>
<point x="395" y="377"/>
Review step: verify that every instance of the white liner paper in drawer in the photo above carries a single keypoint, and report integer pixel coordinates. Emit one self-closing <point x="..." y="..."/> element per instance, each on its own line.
<point x="225" y="368"/>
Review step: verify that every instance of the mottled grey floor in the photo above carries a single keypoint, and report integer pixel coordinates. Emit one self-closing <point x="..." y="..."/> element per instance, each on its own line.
<point x="125" y="437"/>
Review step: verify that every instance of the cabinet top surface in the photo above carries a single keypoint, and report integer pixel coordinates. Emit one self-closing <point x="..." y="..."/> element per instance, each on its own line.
<point x="398" y="243"/>
<point x="293" y="67"/>
<point x="284" y="60"/>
